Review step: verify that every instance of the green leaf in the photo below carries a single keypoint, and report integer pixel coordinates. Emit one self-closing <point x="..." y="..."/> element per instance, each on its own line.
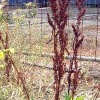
<point x="2" y="66"/>
<point x="80" y="97"/>
<point x="67" y="97"/>
<point x="1" y="55"/>
<point x="12" y="50"/>
<point x="32" y="99"/>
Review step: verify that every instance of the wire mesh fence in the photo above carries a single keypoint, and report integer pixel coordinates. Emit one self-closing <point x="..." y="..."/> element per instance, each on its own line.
<point x="34" y="31"/>
<point x="31" y="37"/>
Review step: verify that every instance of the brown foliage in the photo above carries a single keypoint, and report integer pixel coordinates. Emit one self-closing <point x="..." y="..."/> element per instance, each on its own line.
<point x="74" y="69"/>
<point x="58" y="24"/>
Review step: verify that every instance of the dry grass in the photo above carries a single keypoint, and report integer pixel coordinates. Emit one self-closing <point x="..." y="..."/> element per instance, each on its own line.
<point x="39" y="81"/>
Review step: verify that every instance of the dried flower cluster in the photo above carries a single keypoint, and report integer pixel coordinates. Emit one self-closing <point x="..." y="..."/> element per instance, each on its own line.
<point x="58" y="24"/>
<point x="74" y="70"/>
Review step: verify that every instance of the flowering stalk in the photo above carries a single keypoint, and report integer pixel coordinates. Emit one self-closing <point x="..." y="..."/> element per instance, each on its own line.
<point x="58" y="24"/>
<point x="8" y="58"/>
<point x="73" y="75"/>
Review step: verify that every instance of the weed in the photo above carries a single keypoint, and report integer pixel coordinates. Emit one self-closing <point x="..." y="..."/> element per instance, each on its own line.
<point x="60" y="37"/>
<point x="9" y="63"/>
<point x="74" y="70"/>
<point x="68" y="97"/>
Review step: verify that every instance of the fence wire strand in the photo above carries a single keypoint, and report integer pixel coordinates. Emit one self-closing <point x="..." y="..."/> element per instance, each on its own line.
<point x="90" y="25"/>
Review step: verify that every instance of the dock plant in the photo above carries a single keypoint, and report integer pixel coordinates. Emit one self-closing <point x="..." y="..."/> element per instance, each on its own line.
<point x="60" y="38"/>
<point x="58" y="22"/>
<point x="74" y="70"/>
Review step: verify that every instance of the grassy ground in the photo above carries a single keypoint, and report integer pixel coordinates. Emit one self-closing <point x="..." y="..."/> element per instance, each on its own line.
<point x="39" y="81"/>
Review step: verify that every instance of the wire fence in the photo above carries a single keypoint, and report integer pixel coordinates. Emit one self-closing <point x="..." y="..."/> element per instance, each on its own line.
<point x="34" y="31"/>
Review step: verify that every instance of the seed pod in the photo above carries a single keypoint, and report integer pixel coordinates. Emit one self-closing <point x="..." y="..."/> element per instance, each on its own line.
<point x="50" y="22"/>
<point x="79" y="43"/>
